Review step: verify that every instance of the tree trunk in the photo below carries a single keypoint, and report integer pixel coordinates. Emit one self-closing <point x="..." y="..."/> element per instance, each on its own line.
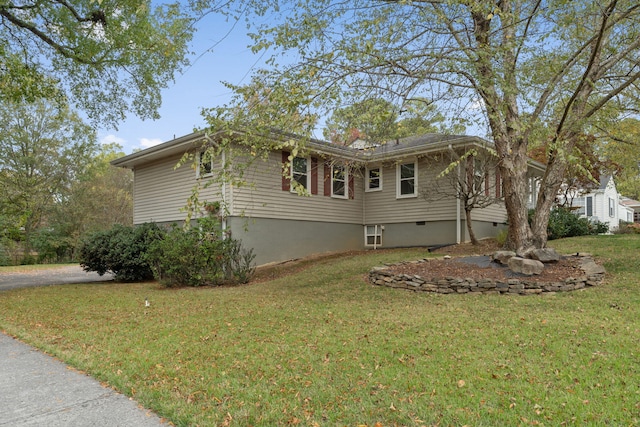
<point x="472" y="235"/>
<point x="552" y="181"/>
<point x="513" y="169"/>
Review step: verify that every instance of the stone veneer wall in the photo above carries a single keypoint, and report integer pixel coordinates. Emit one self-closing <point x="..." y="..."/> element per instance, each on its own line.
<point x="593" y="275"/>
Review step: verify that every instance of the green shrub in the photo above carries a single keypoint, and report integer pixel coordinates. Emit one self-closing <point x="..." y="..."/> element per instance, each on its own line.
<point x="198" y="256"/>
<point x="564" y="223"/>
<point x="120" y="250"/>
<point x="501" y="237"/>
<point x="53" y="247"/>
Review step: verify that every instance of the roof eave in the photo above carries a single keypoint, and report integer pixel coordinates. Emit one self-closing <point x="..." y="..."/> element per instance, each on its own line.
<point x="175" y="146"/>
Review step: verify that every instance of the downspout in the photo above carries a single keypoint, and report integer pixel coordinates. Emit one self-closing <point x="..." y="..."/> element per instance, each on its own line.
<point x="458" y="207"/>
<point x="364" y="210"/>
<point x="223" y="208"/>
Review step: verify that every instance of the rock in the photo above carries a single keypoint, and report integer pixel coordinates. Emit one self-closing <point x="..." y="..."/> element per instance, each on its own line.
<point x="525" y="266"/>
<point x="502" y="257"/>
<point x="544" y="255"/>
<point x="590" y="268"/>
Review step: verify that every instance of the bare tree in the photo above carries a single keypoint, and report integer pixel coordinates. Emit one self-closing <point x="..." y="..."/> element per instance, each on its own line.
<point x="472" y="178"/>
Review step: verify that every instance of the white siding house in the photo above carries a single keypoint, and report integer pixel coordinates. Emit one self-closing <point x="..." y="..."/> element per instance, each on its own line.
<point x="356" y="198"/>
<point x="602" y="204"/>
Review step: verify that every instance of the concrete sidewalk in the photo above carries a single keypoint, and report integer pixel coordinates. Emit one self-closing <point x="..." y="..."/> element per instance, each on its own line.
<point x="38" y="390"/>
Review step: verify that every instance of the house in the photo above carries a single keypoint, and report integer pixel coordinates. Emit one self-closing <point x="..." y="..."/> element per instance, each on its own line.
<point x="632" y="209"/>
<point x="356" y="198"/>
<point x="603" y="204"/>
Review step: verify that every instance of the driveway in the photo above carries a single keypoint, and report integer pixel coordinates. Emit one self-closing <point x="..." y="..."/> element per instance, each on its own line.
<point x="49" y="276"/>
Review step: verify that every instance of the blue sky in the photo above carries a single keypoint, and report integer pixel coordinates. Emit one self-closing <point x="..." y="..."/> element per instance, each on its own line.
<point x="220" y="54"/>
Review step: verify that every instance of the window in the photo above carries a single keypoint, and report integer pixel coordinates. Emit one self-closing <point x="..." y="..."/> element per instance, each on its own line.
<point x="339" y="181"/>
<point x="373" y="235"/>
<point x="612" y="207"/>
<point x="300" y="173"/>
<point x="374" y="179"/>
<point x="407" y="180"/>
<point x="205" y="164"/>
<point x="589" y="206"/>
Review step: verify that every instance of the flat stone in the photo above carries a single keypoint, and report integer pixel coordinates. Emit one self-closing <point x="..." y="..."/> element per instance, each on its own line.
<point x="544" y="255"/>
<point x="502" y="257"/>
<point x="527" y="267"/>
<point x="590" y="267"/>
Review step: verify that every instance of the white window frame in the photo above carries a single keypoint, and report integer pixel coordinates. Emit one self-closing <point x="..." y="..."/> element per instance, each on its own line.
<point x="377" y="235"/>
<point x="399" y="195"/>
<point x="612" y="207"/>
<point x="307" y="185"/>
<point x="199" y="173"/>
<point x="368" y="179"/>
<point x="345" y="186"/>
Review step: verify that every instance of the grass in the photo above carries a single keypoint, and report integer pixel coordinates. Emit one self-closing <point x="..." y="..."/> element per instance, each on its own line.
<point x="319" y="346"/>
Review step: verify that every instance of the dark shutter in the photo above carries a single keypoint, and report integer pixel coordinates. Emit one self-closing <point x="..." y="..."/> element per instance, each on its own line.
<point x="286" y="178"/>
<point x="352" y="192"/>
<point x="498" y="184"/>
<point x="327" y="179"/>
<point x="314" y="175"/>
<point x="486" y="183"/>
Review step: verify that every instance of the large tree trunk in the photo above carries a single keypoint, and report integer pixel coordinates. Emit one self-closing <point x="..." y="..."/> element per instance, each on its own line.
<point x="513" y="169"/>
<point x="551" y="183"/>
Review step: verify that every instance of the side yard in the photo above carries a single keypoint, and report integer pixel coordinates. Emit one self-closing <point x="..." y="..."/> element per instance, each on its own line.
<point x="320" y="346"/>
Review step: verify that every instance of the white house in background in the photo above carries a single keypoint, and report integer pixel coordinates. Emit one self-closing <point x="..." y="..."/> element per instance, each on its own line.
<point x="603" y="204"/>
<point x="375" y="202"/>
<point x="633" y="209"/>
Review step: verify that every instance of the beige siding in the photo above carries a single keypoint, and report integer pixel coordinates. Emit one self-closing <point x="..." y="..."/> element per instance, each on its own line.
<point x="262" y="197"/>
<point x="494" y="213"/>
<point x="383" y="206"/>
<point x="161" y="191"/>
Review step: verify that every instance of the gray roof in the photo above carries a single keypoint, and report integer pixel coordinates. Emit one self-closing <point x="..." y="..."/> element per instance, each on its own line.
<point x="395" y="149"/>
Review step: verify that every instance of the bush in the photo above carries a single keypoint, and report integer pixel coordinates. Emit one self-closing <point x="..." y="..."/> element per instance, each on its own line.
<point x="564" y="223"/>
<point x="120" y="250"/>
<point x="52" y="247"/>
<point x="501" y="237"/>
<point x="199" y="256"/>
<point x="628" y="228"/>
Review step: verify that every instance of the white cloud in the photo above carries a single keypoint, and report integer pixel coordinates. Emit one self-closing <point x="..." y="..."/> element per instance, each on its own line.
<point x="108" y="139"/>
<point x="149" y="142"/>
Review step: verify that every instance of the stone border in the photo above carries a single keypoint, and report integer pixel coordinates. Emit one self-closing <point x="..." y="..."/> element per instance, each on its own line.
<point x="593" y="276"/>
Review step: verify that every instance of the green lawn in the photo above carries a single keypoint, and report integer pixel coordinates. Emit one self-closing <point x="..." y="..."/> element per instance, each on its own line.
<point x="322" y="347"/>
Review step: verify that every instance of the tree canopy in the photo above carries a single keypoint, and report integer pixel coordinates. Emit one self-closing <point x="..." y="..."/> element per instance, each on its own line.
<point x="376" y="120"/>
<point x="510" y="68"/>
<point x="108" y="56"/>
<point x="43" y="150"/>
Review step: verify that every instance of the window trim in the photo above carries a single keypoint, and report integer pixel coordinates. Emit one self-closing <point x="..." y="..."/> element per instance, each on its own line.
<point x="307" y="186"/>
<point x="199" y="166"/>
<point x="399" y="179"/>
<point x="368" y="179"/>
<point x="345" y="181"/>
<point x="612" y="207"/>
<point x="377" y="235"/>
